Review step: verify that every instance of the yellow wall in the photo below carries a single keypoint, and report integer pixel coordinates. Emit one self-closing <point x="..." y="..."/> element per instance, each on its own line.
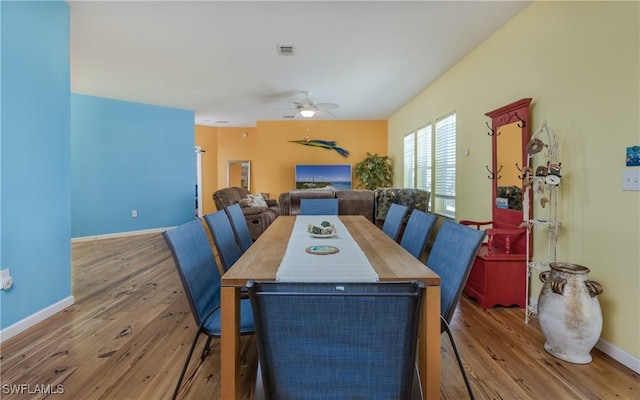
<point x="206" y="137"/>
<point x="273" y="158"/>
<point x="579" y="61"/>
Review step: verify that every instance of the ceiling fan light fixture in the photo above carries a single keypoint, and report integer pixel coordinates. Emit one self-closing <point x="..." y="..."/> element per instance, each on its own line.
<point x="307" y="113"/>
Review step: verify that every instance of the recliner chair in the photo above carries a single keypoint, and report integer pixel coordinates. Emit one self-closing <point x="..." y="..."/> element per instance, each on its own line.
<point x="258" y="217"/>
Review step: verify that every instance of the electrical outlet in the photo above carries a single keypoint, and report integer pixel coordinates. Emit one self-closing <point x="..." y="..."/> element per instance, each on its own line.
<point x="6" y="281"/>
<point x="134" y="213"/>
<point x="631" y="178"/>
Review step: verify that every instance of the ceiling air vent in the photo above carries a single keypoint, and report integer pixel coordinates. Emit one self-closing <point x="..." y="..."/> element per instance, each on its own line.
<point x="286" y="50"/>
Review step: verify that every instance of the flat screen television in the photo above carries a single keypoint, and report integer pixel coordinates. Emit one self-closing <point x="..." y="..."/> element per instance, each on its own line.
<point x="323" y="176"/>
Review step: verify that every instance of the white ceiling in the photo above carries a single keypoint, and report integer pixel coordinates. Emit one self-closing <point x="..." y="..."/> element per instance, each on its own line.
<point x="219" y="59"/>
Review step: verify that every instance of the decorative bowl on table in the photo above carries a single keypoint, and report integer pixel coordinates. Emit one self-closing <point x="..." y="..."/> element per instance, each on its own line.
<point x="324" y="230"/>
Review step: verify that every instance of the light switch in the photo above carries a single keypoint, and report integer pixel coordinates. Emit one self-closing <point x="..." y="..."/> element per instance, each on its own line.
<point x="631" y="178"/>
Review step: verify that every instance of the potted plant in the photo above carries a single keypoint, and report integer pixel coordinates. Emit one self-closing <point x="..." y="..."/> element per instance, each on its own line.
<point x="374" y="171"/>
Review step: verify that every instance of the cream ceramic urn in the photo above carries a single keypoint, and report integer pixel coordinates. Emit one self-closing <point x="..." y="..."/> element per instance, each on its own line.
<point x="569" y="312"/>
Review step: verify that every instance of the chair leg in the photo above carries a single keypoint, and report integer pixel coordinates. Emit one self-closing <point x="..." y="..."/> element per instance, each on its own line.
<point x="416" y="393"/>
<point x="205" y="351"/>
<point x="258" y="390"/>
<point x="455" y="350"/>
<point x="186" y="364"/>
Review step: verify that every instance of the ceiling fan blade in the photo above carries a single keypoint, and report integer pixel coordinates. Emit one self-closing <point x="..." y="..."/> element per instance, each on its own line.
<point x="323" y="113"/>
<point x="308" y="104"/>
<point x="326" y="106"/>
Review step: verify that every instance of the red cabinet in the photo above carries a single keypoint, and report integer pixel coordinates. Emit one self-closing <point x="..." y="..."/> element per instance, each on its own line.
<point x="497" y="279"/>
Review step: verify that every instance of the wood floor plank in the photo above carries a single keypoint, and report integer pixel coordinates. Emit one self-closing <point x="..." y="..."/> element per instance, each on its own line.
<point x="128" y="333"/>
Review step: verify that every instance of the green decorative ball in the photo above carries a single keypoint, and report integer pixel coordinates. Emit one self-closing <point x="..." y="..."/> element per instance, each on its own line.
<point x="325" y="223"/>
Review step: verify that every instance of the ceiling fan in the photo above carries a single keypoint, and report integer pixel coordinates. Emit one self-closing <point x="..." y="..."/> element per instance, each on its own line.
<point x="307" y="108"/>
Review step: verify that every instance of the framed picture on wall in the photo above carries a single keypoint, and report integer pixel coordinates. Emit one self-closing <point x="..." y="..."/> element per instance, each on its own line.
<point x="633" y="156"/>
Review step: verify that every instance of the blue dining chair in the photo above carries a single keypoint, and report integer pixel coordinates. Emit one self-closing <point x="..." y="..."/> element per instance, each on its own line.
<point x="200" y="279"/>
<point x="394" y="219"/>
<point x="239" y="225"/>
<point x="318" y="206"/>
<point x="416" y="233"/>
<point x="346" y="341"/>
<point x="223" y="238"/>
<point x="451" y="257"/>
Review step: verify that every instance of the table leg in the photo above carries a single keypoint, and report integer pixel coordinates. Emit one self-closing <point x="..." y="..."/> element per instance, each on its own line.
<point x="429" y="343"/>
<point x="230" y="343"/>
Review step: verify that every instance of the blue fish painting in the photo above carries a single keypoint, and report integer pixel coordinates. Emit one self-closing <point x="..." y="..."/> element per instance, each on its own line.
<point x="325" y="144"/>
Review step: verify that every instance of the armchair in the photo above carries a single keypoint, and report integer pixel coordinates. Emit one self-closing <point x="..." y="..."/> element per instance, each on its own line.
<point x="258" y="217"/>
<point x="412" y="198"/>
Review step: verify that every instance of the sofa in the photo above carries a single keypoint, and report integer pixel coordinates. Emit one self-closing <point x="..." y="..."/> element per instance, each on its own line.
<point x="350" y="202"/>
<point x="258" y="216"/>
<point x="372" y="204"/>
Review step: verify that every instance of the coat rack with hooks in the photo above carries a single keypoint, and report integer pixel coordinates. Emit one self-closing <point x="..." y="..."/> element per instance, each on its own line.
<point x="492" y="132"/>
<point x="494" y="175"/>
<point x="545" y="184"/>
<point x="507" y="119"/>
<point x="499" y="270"/>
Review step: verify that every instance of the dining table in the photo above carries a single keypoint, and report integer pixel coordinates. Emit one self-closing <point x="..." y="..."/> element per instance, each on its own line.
<point x="389" y="260"/>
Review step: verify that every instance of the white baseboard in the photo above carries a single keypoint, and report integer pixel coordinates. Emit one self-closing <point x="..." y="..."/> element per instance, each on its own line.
<point x="118" y="235"/>
<point x="619" y="355"/>
<point x="33" y="319"/>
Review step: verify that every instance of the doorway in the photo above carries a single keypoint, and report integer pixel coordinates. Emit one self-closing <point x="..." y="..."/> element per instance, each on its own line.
<point x="199" y="151"/>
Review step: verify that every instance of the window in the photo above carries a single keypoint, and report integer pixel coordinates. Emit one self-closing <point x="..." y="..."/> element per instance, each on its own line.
<point x="408" y="179"/>
<point x="445" y="166"/>
<point x="423" y="158"/>
<point x="417" y="159"/>
<point x="420" y="170"/>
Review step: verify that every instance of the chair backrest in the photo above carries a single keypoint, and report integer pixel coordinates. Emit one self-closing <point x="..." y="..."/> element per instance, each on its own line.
<point x="335" y="340"/>
<point x="416" y="233"/>
<point x="240" y="227"/>
<point x="394" y="219"/>
<point x="318" y="206"/>
<point x="196" y="266"/>
<point x="223" y="238"/>
<point x="451" y="257"/>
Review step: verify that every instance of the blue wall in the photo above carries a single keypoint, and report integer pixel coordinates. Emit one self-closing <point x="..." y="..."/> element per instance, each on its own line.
<point x="129" y="156"/>
<point x="35" y="157"/>
<point x="58" y="151"/>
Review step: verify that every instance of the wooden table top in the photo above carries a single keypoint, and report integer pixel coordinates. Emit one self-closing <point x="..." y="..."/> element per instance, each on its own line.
<point x="390" y="261"/>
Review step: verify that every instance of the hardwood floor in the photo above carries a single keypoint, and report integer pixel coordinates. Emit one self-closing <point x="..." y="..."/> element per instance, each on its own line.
<point x="130" y="329"/>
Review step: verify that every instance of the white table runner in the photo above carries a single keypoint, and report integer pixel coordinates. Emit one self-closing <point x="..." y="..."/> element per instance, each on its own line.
<point x="348" y="265"/>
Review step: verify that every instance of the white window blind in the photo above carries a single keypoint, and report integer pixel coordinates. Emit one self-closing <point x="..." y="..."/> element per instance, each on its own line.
<point x="423" y="158"/>
<point x="409" y="161"/>
<point x="445" y="166"/>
